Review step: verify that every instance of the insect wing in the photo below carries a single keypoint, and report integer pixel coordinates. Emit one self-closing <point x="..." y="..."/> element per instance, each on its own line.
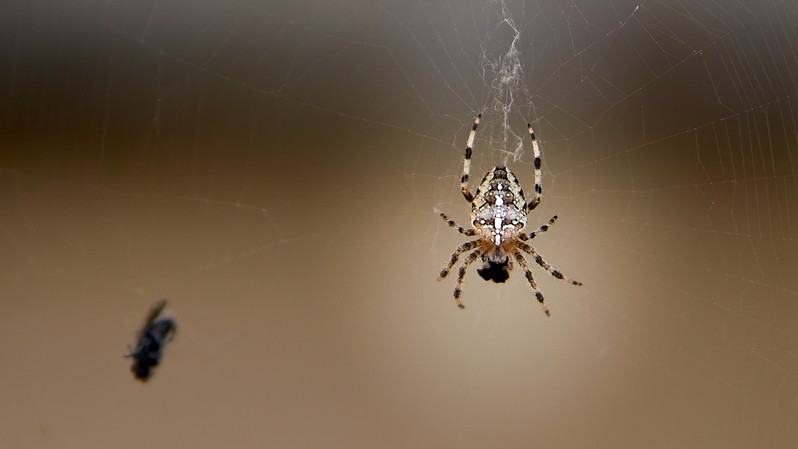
<point x="155" y="312"/>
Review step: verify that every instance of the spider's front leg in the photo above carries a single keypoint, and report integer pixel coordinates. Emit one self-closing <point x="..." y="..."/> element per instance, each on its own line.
<point x="458" y="291"/>
<point x="467" y="161"/>
<point x="456" y="255"/>
<point x="552" y="271"/>
<point x="532" y="284"/>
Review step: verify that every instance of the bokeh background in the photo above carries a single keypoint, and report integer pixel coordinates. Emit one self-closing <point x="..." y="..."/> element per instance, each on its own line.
<point x="272" y="167"/>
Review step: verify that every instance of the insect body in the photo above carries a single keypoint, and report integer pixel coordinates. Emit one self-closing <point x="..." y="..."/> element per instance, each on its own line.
<point x="498" y="216"/>
<point x="151" y="342"/>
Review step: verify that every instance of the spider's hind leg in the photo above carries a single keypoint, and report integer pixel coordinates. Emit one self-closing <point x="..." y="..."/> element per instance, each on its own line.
<point x="538" y="192"/>
<point x="467" y="161"/>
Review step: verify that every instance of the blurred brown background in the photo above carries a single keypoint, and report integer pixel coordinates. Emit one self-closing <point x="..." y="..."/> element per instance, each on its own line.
<point x="271" y="167"/>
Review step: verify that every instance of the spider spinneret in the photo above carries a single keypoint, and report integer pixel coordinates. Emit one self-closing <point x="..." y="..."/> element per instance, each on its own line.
<point x="498" y="216"/>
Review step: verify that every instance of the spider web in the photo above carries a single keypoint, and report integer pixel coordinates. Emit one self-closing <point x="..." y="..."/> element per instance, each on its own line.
<point x="272" y="168"/>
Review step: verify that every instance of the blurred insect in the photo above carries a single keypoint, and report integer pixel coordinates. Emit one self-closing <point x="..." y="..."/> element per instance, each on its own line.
<point x="151" y="341"/>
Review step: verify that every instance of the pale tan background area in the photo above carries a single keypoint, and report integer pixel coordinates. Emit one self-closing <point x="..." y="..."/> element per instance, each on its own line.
<point x="272" y="168"/>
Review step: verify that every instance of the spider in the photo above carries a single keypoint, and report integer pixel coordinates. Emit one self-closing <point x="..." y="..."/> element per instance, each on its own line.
<point x="498" y="215"/>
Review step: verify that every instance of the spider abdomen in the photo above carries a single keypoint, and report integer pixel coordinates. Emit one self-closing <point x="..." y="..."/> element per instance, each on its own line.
<point x="498" y="212"/>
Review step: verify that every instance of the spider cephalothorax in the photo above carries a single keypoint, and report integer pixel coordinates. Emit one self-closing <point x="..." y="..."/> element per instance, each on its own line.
<point x="498" y="216"/>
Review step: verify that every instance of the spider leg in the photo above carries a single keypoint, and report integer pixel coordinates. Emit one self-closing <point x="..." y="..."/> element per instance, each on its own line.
<point x="539" y="260"/>
<point x="533" y="203"/>
<point x="543" y="228"/>
<point x="532" y="284"/>
<point x="451" y="223"/>
<point x="467" y="161"/>
<point x="458" y="291"/>
<point x="456" y="255"/>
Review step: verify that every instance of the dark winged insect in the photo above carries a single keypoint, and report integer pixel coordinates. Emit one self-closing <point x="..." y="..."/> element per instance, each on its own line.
<point x="151" y="341"/>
